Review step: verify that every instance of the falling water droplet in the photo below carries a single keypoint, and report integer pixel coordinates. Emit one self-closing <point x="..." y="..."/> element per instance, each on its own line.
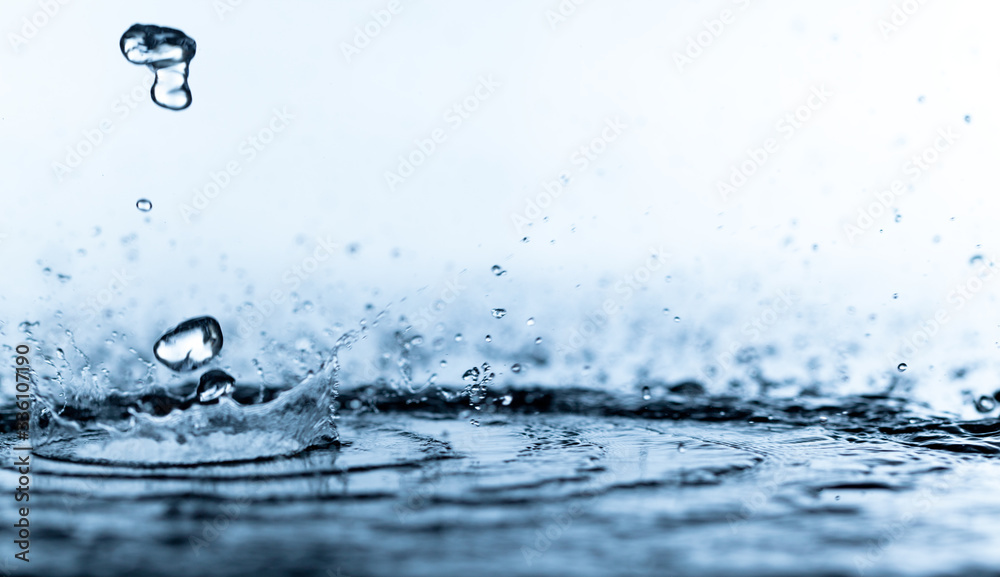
<point x="507" y="399"/>
<point x="516" y="368"/>
<point x="538" y="341"/>
<point x="167" y="52"/>
<point x="444" y="363"/>
<point x="646" y="395"/>
<point x="471" y="374"/>
<point x="530" y="322"/>
<point x="497" y="270"/>
<point x="499" y="313"/>
<point x="489" y="339"/>
<point x="677" y="319"/>
<point x="213" y="385"/>
<point x="901" y="367"/>
<point x="144" y="205"/>
<point x="190" y="344"/>
<point x="458" y="337"/>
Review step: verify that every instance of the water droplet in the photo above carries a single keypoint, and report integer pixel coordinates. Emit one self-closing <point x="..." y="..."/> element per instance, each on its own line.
<point x="901" y="367"/>
<point x="530" y="322"/>
<point x="144" y="205"/>
<point x="677" y="319"/>
<point x="538" y="341"/>
<point x="968" y="119"/>
<point x="666" y="311"/>
<point x="895" y="296"/>
<point x="985" y="404"/>
<point x="458" y="337"/>
<point x="499" y="313"/>
<point x="474" y="422"/>
<point x="213" y="385"/>
<point x="190" y="344"/>
<point x="646" y="395"/>
<point x="489" y="339"/>
<point x="444" y="363"/>
<point x="516" y="368"/>
<point x="497" y="270"/>
<point x="899" y="217"/>
<point x="471" y="374"/>
<point x="167" y="52"/>
<point x="525" y="239"/>
<point x="507" y="399"/>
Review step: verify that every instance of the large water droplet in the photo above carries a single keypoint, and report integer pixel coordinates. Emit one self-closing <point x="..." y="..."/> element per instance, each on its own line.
<point x="190" y="344"/>
<point x="214" y="384"/>
<point x="167" y="52"/>
<point x="144" y="205"/>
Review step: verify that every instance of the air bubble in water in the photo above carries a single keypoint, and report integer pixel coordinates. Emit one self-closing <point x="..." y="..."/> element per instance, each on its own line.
<point x="190" y="344"/>
<point x="213" y="385"/>
<point x="167" y="52"/>
<point x="901" y="367"/>
<point x="499" y="313"/>
<point x="144" y="205"/>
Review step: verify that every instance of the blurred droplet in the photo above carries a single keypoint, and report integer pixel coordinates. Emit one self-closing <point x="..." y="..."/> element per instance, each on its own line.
<point x="901" y="367"/>
<point x="516" y="368"/>
<point x="144" y="205"/>
<point x="499" y="313"/>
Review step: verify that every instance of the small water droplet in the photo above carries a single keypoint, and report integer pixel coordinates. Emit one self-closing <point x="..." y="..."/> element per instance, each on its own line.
<point x="474" y="422"/>
<point x="458" y="337"/>
<point x="489" y="339"/>
<point x="985" y="404"/>
<point x="530" y="322"/>
<point x="213" y="385"/>
<point x="677" y="319"/>
<point x="471" y="374"/>
<point x="901" y="367"/>
<point x="499" y="313"/>
<point x="444" y="363"/>
<point x="144" y="205"/>
<point x="516" y="368"/>
<point x="646" y="394"/>
<point x="507" y="399"/>
<point x="666" y="311"/>
<point x="538" y="341"/>
<point x="190" y="344"/>
<point x="497" y="270"/>
<point x="968" y="119"/>
<point x="895" y="296"/>
<point x="167" y="52"/>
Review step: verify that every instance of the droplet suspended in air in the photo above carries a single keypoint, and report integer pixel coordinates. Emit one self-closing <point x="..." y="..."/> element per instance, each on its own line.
<point x="189" y="345"/>
<point x="497" y="270"/>
<point x="499" y="313"/>
<point x="530" y="322"/>
<point x="538" y="341"/>
<point x="901" y="367"/>
<point x="213" y="385"/>
<point x="516" y="367"/>
<point x="168" y="53"/>
<point x="646" y="394"/>
<point x="144" y="205"/>
<point x="489" y="339"/>
<point x="985" y="404"/>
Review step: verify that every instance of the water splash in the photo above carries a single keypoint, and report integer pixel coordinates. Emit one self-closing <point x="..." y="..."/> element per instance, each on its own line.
<point x="168" y="53"/>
